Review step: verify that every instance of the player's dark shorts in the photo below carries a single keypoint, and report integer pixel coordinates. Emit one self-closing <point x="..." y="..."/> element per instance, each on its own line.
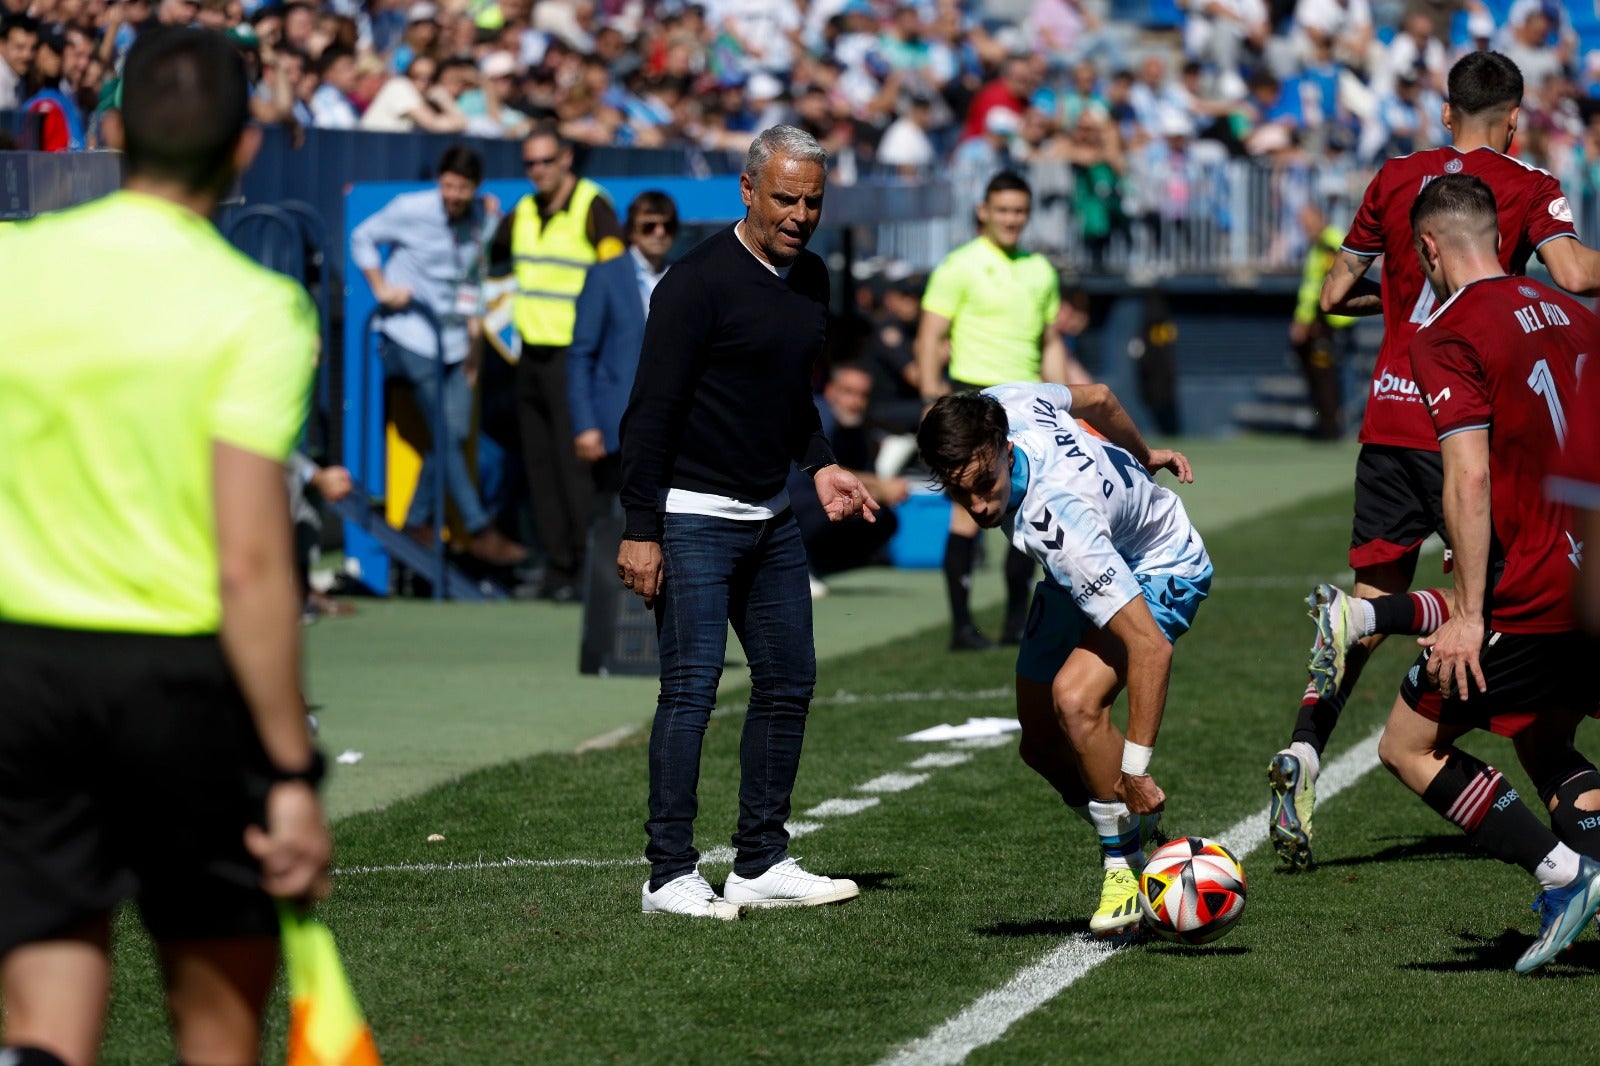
<point x="1528" y="674"/>
<point x="129" y="768"/>
<point x="1398" y="503"/>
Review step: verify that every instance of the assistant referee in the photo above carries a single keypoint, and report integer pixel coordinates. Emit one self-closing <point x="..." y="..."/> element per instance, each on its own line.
<point x="996" y="305"/>
<point x="153" y="742"/>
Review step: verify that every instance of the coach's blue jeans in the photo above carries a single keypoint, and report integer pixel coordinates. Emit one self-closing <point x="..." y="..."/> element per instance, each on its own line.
<point x="422" y="371"/>
<point x="753" y="574"/>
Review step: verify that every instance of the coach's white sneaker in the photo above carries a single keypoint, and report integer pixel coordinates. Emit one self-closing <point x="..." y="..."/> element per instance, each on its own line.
<point x="785" y="884"/>
<point x="691" y="895"/>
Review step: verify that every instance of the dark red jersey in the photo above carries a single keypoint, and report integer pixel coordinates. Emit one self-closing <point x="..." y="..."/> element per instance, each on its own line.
<point x="1532" y="211"/>
<point x="1502" y="355"/>
<point x="1576" y="479"/>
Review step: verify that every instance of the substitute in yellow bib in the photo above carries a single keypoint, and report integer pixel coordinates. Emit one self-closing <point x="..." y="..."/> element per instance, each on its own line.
<point x="989" y="313"/>
<point x="556" y="232"/>
<point x="153" y="741"/>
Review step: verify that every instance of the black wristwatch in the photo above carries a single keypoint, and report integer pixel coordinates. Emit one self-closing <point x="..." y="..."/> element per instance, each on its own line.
<point x="311" y="775"/>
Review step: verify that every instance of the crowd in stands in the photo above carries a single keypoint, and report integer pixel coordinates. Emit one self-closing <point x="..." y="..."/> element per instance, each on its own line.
<point x="900" y="84"/>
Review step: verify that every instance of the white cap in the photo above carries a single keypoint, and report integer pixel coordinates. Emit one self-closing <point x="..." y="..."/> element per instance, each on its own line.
<point x="1002" y="120"/>
<point x="422" y="11"/>
<point x="1171" y="122"/>
<point x="763" y="86"/>
<point x="1480" y="24"/>
<point x="497" y="65"/>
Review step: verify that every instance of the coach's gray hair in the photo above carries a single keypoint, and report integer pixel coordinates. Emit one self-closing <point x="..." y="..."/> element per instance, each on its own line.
<point x="788" y="141"/>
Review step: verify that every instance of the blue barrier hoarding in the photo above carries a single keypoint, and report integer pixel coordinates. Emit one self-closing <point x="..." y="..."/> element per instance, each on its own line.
<point x="700" y="202"/>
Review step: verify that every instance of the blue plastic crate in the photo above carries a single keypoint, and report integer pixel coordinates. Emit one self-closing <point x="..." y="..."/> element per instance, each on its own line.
<point x="924" y="524"/>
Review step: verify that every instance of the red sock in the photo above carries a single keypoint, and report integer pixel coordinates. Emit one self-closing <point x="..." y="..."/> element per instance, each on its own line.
<point x="1430" y="610"/>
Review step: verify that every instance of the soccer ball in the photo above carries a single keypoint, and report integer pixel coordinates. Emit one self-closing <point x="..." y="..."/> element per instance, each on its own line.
<point x="1191" y="891"/>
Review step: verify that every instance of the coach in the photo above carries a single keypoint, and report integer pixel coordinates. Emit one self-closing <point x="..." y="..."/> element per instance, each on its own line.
<point x="720" y="408"/>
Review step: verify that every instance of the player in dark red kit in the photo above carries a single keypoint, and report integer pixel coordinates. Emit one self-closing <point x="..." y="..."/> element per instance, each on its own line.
<point x="1576" y="482"/>
<point x="1398" y="477"/>
<point x="1498" y="362"/>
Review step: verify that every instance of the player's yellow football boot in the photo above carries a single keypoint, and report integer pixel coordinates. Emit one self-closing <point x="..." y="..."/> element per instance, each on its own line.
<point x="1337" y="632"/>
<point x="1119" y="904"/>
<point x="1294" y="797"/>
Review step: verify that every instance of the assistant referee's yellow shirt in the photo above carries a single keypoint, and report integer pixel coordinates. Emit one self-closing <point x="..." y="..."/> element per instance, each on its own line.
<point x="999" y="306"/>
<point x="133" y="337"/>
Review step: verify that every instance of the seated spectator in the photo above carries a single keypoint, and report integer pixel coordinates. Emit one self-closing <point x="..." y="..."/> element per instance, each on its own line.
<point x="1414" y="48"/>
<point x="1408" y="121"/>
<point x="19" y="41"/>
<point x="1529" y="30"/>
<point x="331" y="106"/>
<point x="832" y="547"/>
<point x="50" y="95"/>
<point x="1229" y="35"/>
<point x="420" y="37"/>
<point x="1344" y="27"/>
<point x="284" y="92"/>
<point x="415" y="100"/>
<point x="980" y="158"/>
<point x="1098" y="168"/>
<point x="488" y="109"/>
<point x="905" y="149"/>
<point x="891" y="359"/>
<point x="1009" y="92"/>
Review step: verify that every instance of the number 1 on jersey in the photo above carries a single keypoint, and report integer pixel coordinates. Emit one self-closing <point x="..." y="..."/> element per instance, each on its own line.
<point x="1543" y="384"/>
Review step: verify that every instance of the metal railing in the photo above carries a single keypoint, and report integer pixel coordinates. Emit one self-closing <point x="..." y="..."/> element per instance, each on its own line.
<point x="1230" y="217"/>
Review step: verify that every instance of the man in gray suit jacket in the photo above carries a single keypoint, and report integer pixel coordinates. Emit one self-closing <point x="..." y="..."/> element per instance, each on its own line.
<point x="608" y="335"/>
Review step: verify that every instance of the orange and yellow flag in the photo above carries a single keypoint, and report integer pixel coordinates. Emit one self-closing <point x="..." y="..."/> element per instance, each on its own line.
<point x="326" y="1027"/>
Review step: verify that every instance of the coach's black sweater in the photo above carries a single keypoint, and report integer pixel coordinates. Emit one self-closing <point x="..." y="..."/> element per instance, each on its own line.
<point x="722" y="399"/>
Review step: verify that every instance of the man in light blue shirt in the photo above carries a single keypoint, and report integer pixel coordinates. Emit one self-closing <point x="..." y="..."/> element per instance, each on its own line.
<point x="436" y="239"/>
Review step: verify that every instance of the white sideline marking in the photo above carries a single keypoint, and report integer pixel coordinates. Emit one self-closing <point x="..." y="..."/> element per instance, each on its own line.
<point x="609" y="739"/>
<point x="845" y="699"/>
<point x="893" y="783"/>
<point x="983" y="742"/>
<point x="987" y="1018"/>
<point x="800" y="829"/>
<point x="840" y="807"/>
<point x="497" y="864"/>
<point x="938" y="760"/>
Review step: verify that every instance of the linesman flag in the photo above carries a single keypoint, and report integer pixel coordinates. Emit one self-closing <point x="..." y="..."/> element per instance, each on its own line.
<point x="326" y="1027"/>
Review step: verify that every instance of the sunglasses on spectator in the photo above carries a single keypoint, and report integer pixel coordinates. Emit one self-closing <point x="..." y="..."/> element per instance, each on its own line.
<point x="648" y="228"/>
<point x="547" y="161"/>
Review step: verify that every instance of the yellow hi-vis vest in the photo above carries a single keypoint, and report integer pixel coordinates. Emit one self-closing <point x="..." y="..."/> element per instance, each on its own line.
<point x="551" y="261"/>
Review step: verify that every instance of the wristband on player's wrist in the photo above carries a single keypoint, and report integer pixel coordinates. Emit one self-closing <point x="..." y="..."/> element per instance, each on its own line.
<point x="311" y="775"/>
<point x="1136" y="759"/>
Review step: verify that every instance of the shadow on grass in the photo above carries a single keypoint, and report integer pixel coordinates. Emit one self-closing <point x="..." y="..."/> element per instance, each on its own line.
<point x="1416" y="849"/>
<point x="1477" y="952"/>
<point x="876" y="882"/>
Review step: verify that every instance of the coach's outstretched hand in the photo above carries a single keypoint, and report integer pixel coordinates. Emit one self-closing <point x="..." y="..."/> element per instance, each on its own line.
<point x="1167" y="459"/>
<point x="295" y="847"/>
<point x="1141" y="793"/>
<point x="843" y="495"/>
<point x="639" y="567"/>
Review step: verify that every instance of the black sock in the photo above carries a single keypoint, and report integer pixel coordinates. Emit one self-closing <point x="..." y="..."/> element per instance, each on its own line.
<point x="1019" y="575"/>
<point x="1317" y="718"/>
<point x="958" y="579"/>
<point x="1473" y="795"/>
<point x="1578" y="829"/>
<point x="1409" y="612"/>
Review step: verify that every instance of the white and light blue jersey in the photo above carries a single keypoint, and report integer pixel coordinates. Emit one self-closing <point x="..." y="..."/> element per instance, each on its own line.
<point x="1087" y="510"/>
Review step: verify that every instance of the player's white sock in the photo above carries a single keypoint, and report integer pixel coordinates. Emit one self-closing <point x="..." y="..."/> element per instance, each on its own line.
<point x="1119" y="834"/>
<point x="1310" y="761"/>
<point x="1557" y="868"/>
<point x="1369" y="618"/>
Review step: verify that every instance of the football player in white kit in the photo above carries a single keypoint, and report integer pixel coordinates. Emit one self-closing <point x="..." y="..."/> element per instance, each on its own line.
<point x="1125" y="572"/>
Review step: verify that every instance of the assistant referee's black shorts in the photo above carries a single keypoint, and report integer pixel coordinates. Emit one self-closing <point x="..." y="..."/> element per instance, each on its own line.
<point x="1399" y="494"/>
<point x="129" y="768"/>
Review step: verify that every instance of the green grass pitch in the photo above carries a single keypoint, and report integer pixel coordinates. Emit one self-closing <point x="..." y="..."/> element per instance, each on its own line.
<point x="1397" y="948"/>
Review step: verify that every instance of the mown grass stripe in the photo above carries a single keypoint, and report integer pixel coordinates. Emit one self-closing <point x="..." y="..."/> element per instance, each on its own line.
<point x="987" y="1018"/>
